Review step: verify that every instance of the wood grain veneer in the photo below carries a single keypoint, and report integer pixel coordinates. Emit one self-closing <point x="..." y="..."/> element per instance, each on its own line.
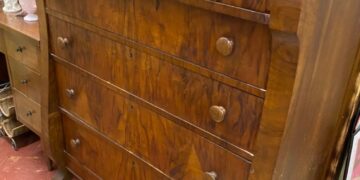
<point x="180" y="35"/>
<point x="138" y="78"/>
<point x="117" y="64"/>
<point x="131" y="129"/>
<point x="108" y="161"/>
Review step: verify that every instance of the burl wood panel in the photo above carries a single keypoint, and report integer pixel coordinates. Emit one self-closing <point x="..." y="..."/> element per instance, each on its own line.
<point x="173" y="149"/>
<point x="181" y="92"/>
<point x="183" y="31"/>
<point x="25" y="80"/>
<point x="104" y="158"/>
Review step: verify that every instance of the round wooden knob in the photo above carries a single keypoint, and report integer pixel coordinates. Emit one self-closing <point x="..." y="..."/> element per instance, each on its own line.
<point x="211" y="175"/>
<point x="20" y="49"/>
<point x="75" y="142"/>
<point x="24" y="81"/>
<point x="63" y="42"/>
<point x="217" y="113"/>
<point x="70" y="92"/>
<point x="225" y="46"/>
<point x="29" y="113"/>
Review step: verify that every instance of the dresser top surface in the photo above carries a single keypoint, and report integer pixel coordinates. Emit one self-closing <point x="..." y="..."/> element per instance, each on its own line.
<point x="12" y="22"/>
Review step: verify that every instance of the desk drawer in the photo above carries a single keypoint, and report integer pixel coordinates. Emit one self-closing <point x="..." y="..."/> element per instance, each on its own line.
<point x="25" y="80"/>
<point x="175" y="150"/>
<point x="22" y="50"/>
<point x="27" y="111"/>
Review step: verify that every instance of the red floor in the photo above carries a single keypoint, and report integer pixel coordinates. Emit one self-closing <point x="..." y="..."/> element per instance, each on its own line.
<point x="28" y="163"/>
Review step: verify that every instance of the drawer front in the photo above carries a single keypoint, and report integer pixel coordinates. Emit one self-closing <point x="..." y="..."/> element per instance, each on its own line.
<point x="231" y="46"/>
<point x="21" y="49"/>
<point x="27" y="111"/>
<point x="25" y="80"/>
<point x="177" y="151"/>
<point x="103" y="158"/>
<point x="78" y="170"/>
<point x="180" y="92"/>
<point x="163" y="84"/>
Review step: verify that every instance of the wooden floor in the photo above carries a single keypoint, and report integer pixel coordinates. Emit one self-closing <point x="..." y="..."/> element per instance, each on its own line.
<point x="26" y="163"/>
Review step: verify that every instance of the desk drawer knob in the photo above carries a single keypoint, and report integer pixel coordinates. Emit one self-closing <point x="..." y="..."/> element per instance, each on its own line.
<point x="211" y="175"/>
<point x="29" y="113"/>
<point x="70" y="92"/>
<point x="75" y="142"/>
<point x="225" y="46"/>
<point x="24" y="81"/>
<point x="20" y="49"/>
<point x="217" y="113"/>
<point x="63" y="42"/>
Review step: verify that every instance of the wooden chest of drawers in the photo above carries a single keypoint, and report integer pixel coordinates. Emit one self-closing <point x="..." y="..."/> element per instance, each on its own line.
<point x="171" y="89"/>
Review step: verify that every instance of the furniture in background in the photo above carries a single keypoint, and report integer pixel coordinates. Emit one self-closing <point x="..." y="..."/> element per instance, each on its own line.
<point x="20" y="43"/>
<point x="192" y="89"/>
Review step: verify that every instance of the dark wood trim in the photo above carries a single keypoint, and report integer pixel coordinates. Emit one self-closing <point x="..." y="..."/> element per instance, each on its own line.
<point x="248" y="88"/>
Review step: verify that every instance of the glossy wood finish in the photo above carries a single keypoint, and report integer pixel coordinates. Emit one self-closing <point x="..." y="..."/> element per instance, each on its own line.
<point x="130" y="129"/>
<point x="27" y="111"/>
<point x="23" y="50"/>
<point x="25" y="80"/>
<point x="179" y="49"/>
<point x="107" y="160"/>
<point x="181" y="36"/>
<point x="164" y="56"/>
<point x="149" y="78"/>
